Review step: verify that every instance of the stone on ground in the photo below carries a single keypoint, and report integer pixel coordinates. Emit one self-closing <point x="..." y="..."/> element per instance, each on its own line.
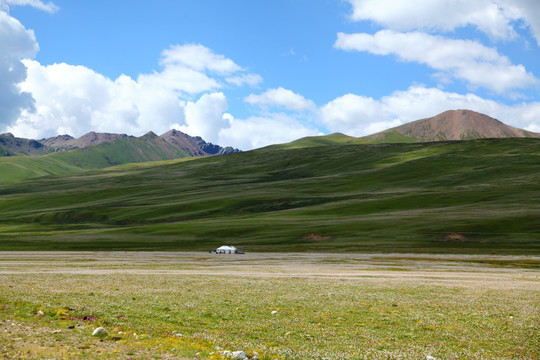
<point x="100" y="332"/>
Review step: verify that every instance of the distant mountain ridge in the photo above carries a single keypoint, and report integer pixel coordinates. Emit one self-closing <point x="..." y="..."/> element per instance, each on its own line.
<point x="185" y="144"/>
<point x="67" y="142"/>
<point x="60" y="155"/>
<point x="450" y="125"/>
<point x="11" y="145"/>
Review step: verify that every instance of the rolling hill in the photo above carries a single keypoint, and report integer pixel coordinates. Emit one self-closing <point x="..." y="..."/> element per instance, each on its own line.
<point x="476" y="196"/>
<point x="448" y="126"/>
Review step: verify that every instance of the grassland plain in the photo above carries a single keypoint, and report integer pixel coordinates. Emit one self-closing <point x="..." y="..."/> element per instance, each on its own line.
<point x="167" y="305"/>
<point x="449" y="197"/>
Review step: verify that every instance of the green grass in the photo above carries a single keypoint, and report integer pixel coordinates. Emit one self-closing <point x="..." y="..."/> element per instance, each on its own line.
<point x="387" y="198"/>
<point x="311" y="141"/>
<point x="385" y="137"/>
<point x="16" y="168"/>
<point x="409" y="314"/>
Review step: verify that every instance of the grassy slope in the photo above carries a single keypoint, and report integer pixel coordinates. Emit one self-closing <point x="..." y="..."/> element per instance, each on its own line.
<point x="404" y="198"/>
<point x="311" y="141"/>
<point x="121" y="151"/>
<point x="385" y="137"/>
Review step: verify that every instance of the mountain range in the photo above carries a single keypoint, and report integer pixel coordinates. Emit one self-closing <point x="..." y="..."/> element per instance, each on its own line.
<point x="448" y="126"/>
<point x="27" y="158"/>
<point x="175" y="143"/>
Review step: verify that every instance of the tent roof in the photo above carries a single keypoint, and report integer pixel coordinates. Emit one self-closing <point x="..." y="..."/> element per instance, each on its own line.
<point x="226" y="247"/>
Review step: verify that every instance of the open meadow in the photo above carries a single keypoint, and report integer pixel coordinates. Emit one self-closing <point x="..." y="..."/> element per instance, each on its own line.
<point x="194" y="305"/>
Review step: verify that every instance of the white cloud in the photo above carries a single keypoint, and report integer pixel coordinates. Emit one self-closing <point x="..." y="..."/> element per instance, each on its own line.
<point x="38" y="4"/>
<point x="198" y="58"/>
<point x="181" y="79"/>
<point x="349" y="114"/>
<point x="282" y="98"/>
<point x="205" y="117"/>
<point x="437" y="15"/>
<point x="76" y="99"/>
<point x="259" y="131"/>
<point x="463" y="59"/>
<point x="496" y="18"/>
<point x="528" y="11"/>
<point x="16" y="43"/>
<point x="356" y="115"/>
<point x="245" y="79"/>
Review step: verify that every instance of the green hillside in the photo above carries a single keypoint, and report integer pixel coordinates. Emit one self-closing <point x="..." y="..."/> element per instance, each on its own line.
<point x="121" y="151"/>
<point x="462" y="197"/>
<point x="311" y="141"/>
<point x="390" y="137"/>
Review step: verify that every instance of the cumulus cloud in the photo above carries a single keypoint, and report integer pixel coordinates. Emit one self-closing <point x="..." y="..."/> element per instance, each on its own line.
<point x="281" y="97"/>
<point x="75" y="99"/>
<point x="205" y="117"/>
<point x="194" y="68"/>
<point x="259" y="131"/>
<point x="462" y="59"/>
<point x="17" y="42"/>
<point x="353" y="115"/>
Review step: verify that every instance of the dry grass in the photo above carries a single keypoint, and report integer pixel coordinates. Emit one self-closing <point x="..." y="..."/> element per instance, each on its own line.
<point x="328" y="306"/>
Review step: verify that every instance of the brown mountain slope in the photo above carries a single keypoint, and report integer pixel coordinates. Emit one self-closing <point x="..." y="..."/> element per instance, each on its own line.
<point x="57" y="141"/>
<point x="66" y="142"/>
<point x="450" y="125"/>
<point x="195" y="146"/>
<point x="172" y="144"/>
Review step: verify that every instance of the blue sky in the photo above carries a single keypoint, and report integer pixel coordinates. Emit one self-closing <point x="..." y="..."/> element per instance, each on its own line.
<point x="252" y="73"/>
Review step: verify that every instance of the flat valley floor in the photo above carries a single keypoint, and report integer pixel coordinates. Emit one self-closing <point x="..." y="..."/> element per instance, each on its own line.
<point x="187" y="305"/>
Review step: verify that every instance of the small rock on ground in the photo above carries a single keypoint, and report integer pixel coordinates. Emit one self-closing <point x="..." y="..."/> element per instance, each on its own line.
<point x="100" y="332"/>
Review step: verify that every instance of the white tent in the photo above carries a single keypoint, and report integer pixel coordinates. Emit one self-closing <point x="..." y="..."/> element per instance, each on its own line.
<point x="226" y="250"/>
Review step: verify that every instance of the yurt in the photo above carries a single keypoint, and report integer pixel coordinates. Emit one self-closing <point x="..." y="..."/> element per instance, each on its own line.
<point x="226" y="249"/>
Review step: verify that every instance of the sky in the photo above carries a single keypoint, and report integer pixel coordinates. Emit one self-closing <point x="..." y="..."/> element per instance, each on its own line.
<point x="252" y="73"/>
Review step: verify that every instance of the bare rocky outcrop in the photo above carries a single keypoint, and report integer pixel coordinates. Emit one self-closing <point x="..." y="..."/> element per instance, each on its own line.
<point x="13" y="145"/>
<point x="195" y="145"/>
